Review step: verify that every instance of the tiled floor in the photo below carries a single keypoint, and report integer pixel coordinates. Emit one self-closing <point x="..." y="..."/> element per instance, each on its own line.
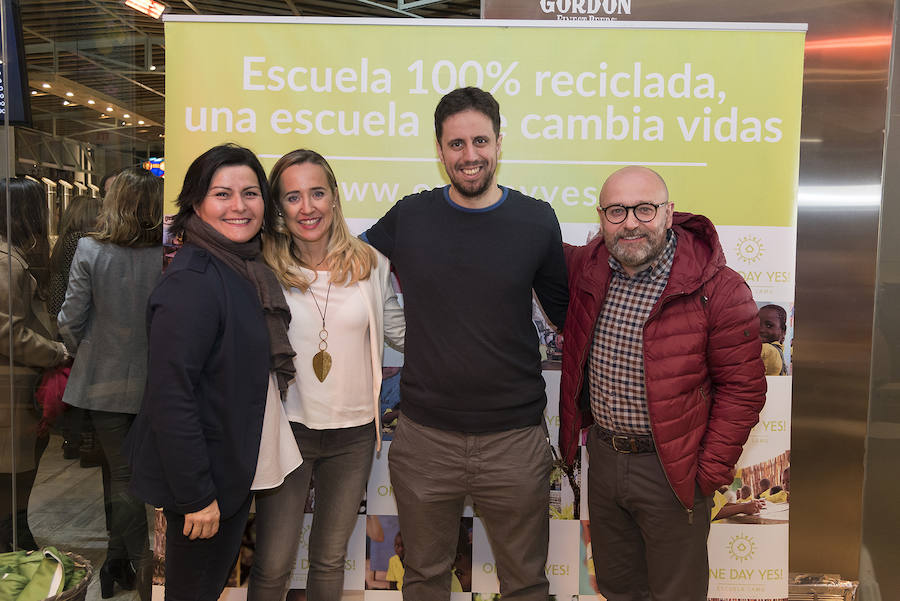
<point x="67" y="512"/>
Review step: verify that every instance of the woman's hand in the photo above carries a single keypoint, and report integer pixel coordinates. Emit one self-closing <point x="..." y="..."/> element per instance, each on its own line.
<point x="203" y="523"/>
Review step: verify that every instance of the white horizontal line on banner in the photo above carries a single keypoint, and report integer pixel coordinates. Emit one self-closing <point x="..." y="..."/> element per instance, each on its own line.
<point x="510" y="161"/>
<point x="626" y="163"/>
<point x="376" y="159"/>
<point x="689" y="25"/>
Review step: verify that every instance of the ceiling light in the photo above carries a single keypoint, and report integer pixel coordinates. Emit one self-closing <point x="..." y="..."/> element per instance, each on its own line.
<point x="153" y="67"/>
<point x="148" y="7"/>
<point x="140" y="122"/>
<point x="109" y="109"/>
<point x="91" y="102"/>
<point x="66" y="103"/>
<point x="126" y="115"/>
<point x="69" y="94"/>
<point x="45" y="85"/>
<point x="34" y="92"/>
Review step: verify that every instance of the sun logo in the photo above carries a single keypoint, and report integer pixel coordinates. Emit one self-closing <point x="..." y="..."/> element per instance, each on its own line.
<point x="741" y="547"/>
<point x="750" y="249"/>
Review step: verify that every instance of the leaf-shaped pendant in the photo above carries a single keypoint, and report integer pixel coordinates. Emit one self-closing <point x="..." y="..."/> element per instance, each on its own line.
<point x="322" y="365"/>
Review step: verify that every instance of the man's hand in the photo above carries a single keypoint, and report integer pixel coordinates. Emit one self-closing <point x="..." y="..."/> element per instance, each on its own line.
<point x="203" y="523"/>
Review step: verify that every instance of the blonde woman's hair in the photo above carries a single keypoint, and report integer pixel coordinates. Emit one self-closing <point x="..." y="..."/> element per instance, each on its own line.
<point x="132" y="211"/>
<point x="349" y="258"/>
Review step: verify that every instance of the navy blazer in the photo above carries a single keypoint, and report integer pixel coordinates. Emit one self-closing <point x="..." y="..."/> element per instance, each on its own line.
<point x="196" y="438"/>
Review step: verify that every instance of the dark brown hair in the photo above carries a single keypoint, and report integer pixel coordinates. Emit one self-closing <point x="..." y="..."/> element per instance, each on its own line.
<point x="200" y="174"/>
<point x="466" y="99"/>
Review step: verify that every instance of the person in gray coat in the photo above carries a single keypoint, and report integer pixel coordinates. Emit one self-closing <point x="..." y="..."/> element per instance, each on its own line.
<point x="102" y="322"/>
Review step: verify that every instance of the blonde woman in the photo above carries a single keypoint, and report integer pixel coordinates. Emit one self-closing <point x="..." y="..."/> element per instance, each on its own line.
<point x="102" y="322"/>
<point x="342" y="310"/>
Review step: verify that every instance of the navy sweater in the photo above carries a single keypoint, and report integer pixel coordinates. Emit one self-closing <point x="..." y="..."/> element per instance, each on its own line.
<point x="472" y="361"/>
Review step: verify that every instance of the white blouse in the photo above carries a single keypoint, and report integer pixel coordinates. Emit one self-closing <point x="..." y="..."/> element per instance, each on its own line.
<point x="344" y="399"/>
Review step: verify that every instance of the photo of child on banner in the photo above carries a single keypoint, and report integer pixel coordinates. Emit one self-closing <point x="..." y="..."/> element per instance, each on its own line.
<point x="776" y="332"/>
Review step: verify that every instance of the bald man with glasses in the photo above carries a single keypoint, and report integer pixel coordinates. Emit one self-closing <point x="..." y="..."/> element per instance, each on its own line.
<point x="662" y="361"/>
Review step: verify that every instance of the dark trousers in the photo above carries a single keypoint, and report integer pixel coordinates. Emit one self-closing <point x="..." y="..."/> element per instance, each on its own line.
<point x="646" y="545"/>
<point x="197" y="570"/>
<point x="19" y="521"/>
<point x="508" y="476"/>
<point x="127" y="514"/>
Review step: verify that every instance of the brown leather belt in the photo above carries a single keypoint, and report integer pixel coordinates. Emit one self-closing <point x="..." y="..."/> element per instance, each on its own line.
<point x="625" y="443"/>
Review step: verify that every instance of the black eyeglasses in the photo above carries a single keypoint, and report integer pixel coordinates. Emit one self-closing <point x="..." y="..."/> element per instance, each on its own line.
<point x="643" y="212"/>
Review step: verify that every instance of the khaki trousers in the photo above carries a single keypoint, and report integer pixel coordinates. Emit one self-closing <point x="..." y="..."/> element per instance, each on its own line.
<point x="506" y="473"/>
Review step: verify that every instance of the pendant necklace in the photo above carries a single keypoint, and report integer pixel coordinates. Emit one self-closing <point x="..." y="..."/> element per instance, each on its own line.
<point x="322" y="360"/>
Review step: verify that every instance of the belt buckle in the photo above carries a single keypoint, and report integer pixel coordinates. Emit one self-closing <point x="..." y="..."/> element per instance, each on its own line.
<point x="629" y="447"/>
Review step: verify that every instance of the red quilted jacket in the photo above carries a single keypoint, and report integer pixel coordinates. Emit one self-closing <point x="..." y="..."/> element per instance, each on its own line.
<point x="705" y="381"/>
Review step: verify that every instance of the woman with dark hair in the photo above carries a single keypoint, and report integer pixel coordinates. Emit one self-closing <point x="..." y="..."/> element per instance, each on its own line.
<point x="106" y="183"/>
<point x="32" y="336"/>
<point x="217" y="324"/>
<point x="79" y="219"/>
<point x="102" y="323"/>
<point x="344" y="308"/>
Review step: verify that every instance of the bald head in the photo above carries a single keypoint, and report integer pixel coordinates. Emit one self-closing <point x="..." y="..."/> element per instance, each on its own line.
<point x="636" y="239"/>
<point x="637" y="178"/>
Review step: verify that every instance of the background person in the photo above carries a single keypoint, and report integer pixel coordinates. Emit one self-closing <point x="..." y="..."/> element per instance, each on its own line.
<point x="339" y="291"/>
<point x="78" y="433"/>
<point x="106" y="183"/>
<point x="772" y="330"/>
<point x="661" y="355"/>
<point x="78" y="220"/>
<point x="395" y="564"/>
<point x="396" y="570"/>
<point x="103" y="323"/>
<point x="34" y="347"/>
<point x="722" y="509"/>
<point x="217" y="325"/>
<point x="781" y="494"/>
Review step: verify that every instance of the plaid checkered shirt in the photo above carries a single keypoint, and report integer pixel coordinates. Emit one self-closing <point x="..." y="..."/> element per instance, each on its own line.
<point x="616" y="375"/>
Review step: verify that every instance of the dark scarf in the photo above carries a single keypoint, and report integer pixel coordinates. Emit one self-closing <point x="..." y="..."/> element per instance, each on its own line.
<point x="244" y="258"/>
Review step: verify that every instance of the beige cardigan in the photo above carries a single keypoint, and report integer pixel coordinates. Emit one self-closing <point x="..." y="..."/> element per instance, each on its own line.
<point x="278" y="454"/>
<point x="33" y="347"/>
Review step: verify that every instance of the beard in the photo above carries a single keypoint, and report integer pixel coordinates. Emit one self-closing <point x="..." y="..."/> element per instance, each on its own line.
<point x="636" y="255"/>
<point x="473" y="188"/>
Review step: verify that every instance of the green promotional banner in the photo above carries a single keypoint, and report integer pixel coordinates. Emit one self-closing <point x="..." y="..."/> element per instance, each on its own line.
<point x="715" y="110"/>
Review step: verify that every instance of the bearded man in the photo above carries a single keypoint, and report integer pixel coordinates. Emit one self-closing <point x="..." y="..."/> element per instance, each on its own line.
<point x="468" y="256"/>
<point x="662" y="360"/>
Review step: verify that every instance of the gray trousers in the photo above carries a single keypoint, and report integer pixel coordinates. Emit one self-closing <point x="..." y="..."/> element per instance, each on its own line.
<point x="341" y="459"/>
<point x="645" y="543"/>
<point x="506" y="473"/>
